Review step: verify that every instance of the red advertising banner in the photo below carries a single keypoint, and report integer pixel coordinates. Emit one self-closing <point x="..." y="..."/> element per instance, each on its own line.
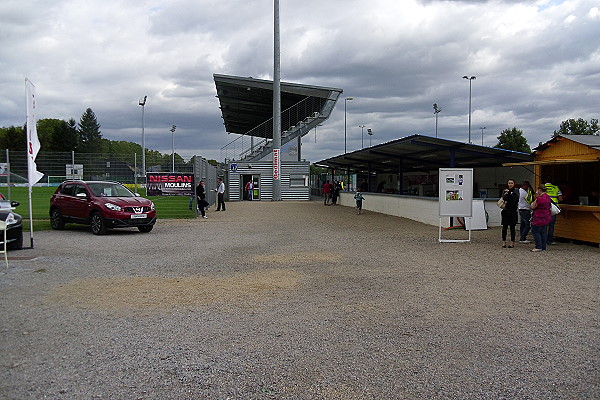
<point x="276" y="163"/>
<point x="169" y="184"/>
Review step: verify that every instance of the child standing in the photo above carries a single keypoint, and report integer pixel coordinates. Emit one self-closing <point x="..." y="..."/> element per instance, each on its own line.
<point x="359" y="199"/>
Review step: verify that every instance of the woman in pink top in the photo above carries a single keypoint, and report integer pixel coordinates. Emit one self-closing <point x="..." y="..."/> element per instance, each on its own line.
<point x="541" y="218"/>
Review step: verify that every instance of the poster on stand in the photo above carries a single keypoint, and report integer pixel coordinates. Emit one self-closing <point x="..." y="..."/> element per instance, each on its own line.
<point x="456" y="192"/>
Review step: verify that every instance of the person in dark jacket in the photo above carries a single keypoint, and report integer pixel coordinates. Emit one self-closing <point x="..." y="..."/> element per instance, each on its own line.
<point x="510" y="212"/>
<point x="335" y="192"/>
<point x="201" y="198"/>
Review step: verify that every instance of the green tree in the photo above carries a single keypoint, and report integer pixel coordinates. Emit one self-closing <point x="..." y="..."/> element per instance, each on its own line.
<point x="513" y="139"/>
<point x="13" y="138"/>
<point x="90" y="138"/>
<point x="578" y="126"/>
<point x="69" y="136"/>
<point x="57" y="135"/>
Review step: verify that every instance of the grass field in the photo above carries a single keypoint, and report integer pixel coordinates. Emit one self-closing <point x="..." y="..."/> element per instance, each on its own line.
<point x="166" y="206"/>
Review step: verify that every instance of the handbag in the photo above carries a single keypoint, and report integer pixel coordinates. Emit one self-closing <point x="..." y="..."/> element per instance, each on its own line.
<point x="554" y="209"/>
<point x="501" y="203"/>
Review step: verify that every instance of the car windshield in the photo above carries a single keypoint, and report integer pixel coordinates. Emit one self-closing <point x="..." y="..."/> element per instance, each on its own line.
<point x="110" y="190"/>
<point x="5" y="204"/>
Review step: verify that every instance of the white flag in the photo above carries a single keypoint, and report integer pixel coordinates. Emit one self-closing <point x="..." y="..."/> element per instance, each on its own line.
<point x="33" y="143"/>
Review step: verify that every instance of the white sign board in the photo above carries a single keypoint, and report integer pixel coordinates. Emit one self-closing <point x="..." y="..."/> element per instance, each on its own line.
<point x="456" y="192"/>
<point x="74" y="171"/>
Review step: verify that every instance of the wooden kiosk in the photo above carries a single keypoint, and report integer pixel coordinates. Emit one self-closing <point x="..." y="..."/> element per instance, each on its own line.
<point x="573" y="163"/>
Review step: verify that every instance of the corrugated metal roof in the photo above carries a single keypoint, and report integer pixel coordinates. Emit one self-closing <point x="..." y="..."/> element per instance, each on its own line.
<point x="246" y="103"/>
<point x="422" y="153"/>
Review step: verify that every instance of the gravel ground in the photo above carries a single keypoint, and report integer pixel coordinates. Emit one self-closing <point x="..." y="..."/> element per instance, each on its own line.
<point x="294" y="300"/>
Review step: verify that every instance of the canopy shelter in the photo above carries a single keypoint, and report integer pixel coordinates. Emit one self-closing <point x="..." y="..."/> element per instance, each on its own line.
<point x="247" y="103"/>
<point x="418" y="153"/>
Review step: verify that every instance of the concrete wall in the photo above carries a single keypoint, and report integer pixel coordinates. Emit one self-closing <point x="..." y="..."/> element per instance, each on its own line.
<point x="422" y="209"/>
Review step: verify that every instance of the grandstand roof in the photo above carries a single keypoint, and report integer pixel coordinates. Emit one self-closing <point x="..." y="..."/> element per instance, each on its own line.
<point x="246" y="103"/>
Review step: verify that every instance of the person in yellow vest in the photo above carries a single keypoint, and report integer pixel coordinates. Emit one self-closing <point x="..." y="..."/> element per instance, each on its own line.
<point x="556" y="196"/>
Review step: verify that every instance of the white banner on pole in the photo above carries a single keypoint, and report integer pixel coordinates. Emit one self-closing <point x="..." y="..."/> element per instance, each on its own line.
<point x="33" y="143"/>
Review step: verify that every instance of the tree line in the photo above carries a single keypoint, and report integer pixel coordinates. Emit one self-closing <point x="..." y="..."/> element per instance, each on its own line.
<point x="513" y="139"/>
<point x="57" y="135"/>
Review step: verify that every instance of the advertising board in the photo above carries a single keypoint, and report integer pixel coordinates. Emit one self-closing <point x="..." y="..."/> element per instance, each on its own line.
<point x="169" y="184"/>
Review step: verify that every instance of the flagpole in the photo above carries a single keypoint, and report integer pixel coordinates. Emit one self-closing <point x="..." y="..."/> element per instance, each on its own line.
<point x="33" y="147"/>
<point x="30" y="219"/>
<point x="27" y="95"/>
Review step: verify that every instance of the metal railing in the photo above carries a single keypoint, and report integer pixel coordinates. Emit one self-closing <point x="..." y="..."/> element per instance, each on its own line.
<point x="293" y="119"/>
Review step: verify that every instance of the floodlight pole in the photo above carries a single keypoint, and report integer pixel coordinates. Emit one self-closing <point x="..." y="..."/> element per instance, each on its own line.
<point x="470" y="79"/>
<point x="482" y="128"/>
<point x="345" y="103"/>
<point x="143" y="103"/>
<point x="436" y="111"/>
<point x="362" y="136"/>
<point x="276" y="106"/>
<point x="173" y="147"/>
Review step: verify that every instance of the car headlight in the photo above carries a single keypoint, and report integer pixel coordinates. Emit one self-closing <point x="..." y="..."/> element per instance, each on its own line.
<point x="11" y="219"/>
<point x="151" y="206"/>
<point x="113" y="207"/>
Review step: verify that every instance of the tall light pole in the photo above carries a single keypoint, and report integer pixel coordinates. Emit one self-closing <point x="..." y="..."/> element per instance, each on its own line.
<point x="173" y="147"/>
<point x="143" y="103"/>
<point x="362" y="136"/>
<point x="470" y="79"/>
<point x="482" y="128"/>
<point x="436" y="111"/>
<point x="345" y="103"/>
<point x="276" y="104"/>
<point x="370" y="133"/>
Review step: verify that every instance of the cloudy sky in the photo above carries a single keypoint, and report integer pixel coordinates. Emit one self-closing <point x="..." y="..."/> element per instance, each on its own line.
<point x="537" y="63"/>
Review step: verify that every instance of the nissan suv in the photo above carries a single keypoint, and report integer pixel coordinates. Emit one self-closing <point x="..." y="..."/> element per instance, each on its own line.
<point x="101" y="204"/>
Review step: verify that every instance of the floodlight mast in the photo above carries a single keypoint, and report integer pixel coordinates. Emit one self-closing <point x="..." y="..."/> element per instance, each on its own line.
<point x="345" y="103"/>
<point x="173" y="147"/>
<point x="362" y="136"/>
<point x="143" y="103"/>
<point x="276" y="106"/>
<point x="436" y="111"/>
<point x="470" y="79"/>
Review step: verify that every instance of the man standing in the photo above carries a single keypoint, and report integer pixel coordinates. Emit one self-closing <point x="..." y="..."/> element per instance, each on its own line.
<point x="326" y="192"/>
<point x="249" y="189"/>
<point x="201" y="198"/>
<point x="525" y="200"/>
<point x="556" y="196"/>
<point x="220" y="194"/>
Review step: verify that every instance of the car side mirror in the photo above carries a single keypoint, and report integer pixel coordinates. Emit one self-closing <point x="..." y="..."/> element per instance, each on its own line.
<point x="14" y="204"/>
<point x="136" y="194"/>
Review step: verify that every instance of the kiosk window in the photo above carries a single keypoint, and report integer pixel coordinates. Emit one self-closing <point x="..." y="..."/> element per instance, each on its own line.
<point x="298" y="181"/>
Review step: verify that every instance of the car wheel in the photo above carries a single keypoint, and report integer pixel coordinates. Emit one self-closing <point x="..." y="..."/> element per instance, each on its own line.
<point x="97" y="223"/>
<point x="145" y="229"/>
<point x="56" y="220"/>
<point x="18" y="243"/>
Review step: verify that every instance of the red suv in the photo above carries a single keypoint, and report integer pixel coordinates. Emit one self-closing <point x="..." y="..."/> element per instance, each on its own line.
<point x="102" y="205"/>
